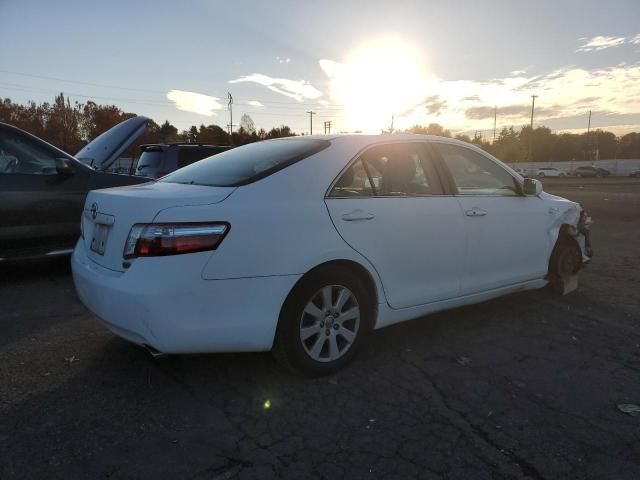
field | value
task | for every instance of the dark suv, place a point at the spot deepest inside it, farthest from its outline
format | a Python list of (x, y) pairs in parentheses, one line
[(591, 172), (158, 160)]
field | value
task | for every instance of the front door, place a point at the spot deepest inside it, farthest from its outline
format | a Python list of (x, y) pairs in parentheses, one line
[(39, 208), (388, 206), (505, 230)]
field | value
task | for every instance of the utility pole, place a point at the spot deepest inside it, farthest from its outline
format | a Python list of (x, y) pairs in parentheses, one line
[(311, 114), (588, 136), (533, 106), (230, 107), (495, 118), (327, 127), (391, 129)]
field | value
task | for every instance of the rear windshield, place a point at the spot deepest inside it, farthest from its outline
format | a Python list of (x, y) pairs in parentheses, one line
[(246, 164), (150, 159), (189, 155)]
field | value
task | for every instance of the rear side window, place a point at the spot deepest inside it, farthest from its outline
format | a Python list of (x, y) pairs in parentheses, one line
[(475, 174), (248, 163), (398, 169)]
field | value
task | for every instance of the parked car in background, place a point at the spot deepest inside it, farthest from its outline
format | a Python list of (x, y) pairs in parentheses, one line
[(635, 173), (293, 244), (43, 189), (521, 171), (591, 172), (157, 160), (550, 172)]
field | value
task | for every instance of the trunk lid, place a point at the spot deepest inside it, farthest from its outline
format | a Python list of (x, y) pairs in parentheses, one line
[(105, 149), (110, 213)]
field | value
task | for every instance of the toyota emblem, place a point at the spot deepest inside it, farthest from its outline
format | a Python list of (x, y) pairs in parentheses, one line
[(94, 210)]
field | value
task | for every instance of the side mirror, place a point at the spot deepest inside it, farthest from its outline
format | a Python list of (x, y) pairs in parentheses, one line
[(63, 167), (532, 186)]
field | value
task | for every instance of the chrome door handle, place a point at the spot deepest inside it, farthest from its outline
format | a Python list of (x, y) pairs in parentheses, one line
[(357, 215), (475, 212)]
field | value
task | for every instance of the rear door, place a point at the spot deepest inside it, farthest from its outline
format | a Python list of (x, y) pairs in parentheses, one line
[(506, 235), (390, 207)]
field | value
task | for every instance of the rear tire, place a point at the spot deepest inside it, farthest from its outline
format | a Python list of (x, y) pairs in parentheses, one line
[(324, 321)]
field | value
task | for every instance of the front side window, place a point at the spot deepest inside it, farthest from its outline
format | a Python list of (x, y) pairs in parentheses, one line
[(475, 174), (398, 169), (19, 155)]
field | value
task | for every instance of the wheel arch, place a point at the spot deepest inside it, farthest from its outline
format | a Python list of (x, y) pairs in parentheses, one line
[(564, 237), (369, 279)]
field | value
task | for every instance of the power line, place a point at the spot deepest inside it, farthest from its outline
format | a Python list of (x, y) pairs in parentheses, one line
[(150, 103), (44, 77), (162, 92)]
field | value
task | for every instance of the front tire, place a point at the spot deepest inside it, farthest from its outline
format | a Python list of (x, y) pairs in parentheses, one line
[(323, 322)]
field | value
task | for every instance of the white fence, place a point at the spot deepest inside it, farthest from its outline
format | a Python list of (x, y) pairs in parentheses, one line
[(616, 167)]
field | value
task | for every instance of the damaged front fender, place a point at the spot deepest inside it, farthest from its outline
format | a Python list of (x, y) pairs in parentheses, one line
[(573, 221)]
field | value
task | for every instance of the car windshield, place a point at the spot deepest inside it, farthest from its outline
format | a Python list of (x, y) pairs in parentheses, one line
[(246, 164)]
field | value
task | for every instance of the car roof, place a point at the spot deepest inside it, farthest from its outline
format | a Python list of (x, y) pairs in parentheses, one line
[(362, 139), (181, 144)]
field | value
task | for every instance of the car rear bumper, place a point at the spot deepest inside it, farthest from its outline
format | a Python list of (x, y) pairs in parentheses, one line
[(169, 307)]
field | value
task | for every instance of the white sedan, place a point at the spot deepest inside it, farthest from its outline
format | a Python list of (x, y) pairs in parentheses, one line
[(303, 245), (550, 172)]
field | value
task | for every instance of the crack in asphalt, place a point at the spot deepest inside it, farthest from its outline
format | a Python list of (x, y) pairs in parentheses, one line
[(525, 467)]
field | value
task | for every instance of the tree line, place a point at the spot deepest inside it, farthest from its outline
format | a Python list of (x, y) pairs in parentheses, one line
[(513, 146), (71, 126)]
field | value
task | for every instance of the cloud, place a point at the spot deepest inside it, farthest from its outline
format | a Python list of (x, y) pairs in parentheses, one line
[(194, 102), (563, 94), (374, 86), (431, 105), (484, 112), (602, 42), (297, 89), (255, 103)]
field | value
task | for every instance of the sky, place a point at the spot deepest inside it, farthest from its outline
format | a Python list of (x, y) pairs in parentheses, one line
[(357, 64)]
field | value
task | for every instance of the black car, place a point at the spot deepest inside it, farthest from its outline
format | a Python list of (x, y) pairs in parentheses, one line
[(43, 189), (158, 160), (591, 172)]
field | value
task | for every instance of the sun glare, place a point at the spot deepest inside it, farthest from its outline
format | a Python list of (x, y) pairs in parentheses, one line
[(380, 78)]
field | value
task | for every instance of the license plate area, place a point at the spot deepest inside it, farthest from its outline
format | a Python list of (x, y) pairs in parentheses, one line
[(99, 239)]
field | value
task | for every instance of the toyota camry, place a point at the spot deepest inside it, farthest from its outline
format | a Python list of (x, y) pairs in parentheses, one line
[(304, 245)]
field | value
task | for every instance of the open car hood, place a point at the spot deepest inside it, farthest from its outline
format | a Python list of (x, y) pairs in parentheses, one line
[(105, 149)]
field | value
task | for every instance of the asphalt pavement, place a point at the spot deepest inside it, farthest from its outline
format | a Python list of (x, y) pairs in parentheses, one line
[(527, 386)]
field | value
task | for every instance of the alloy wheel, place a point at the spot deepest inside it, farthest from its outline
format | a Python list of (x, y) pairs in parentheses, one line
[(329, 323)]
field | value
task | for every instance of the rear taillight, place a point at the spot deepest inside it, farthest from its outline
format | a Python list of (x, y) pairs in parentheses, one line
[(159, 239)]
